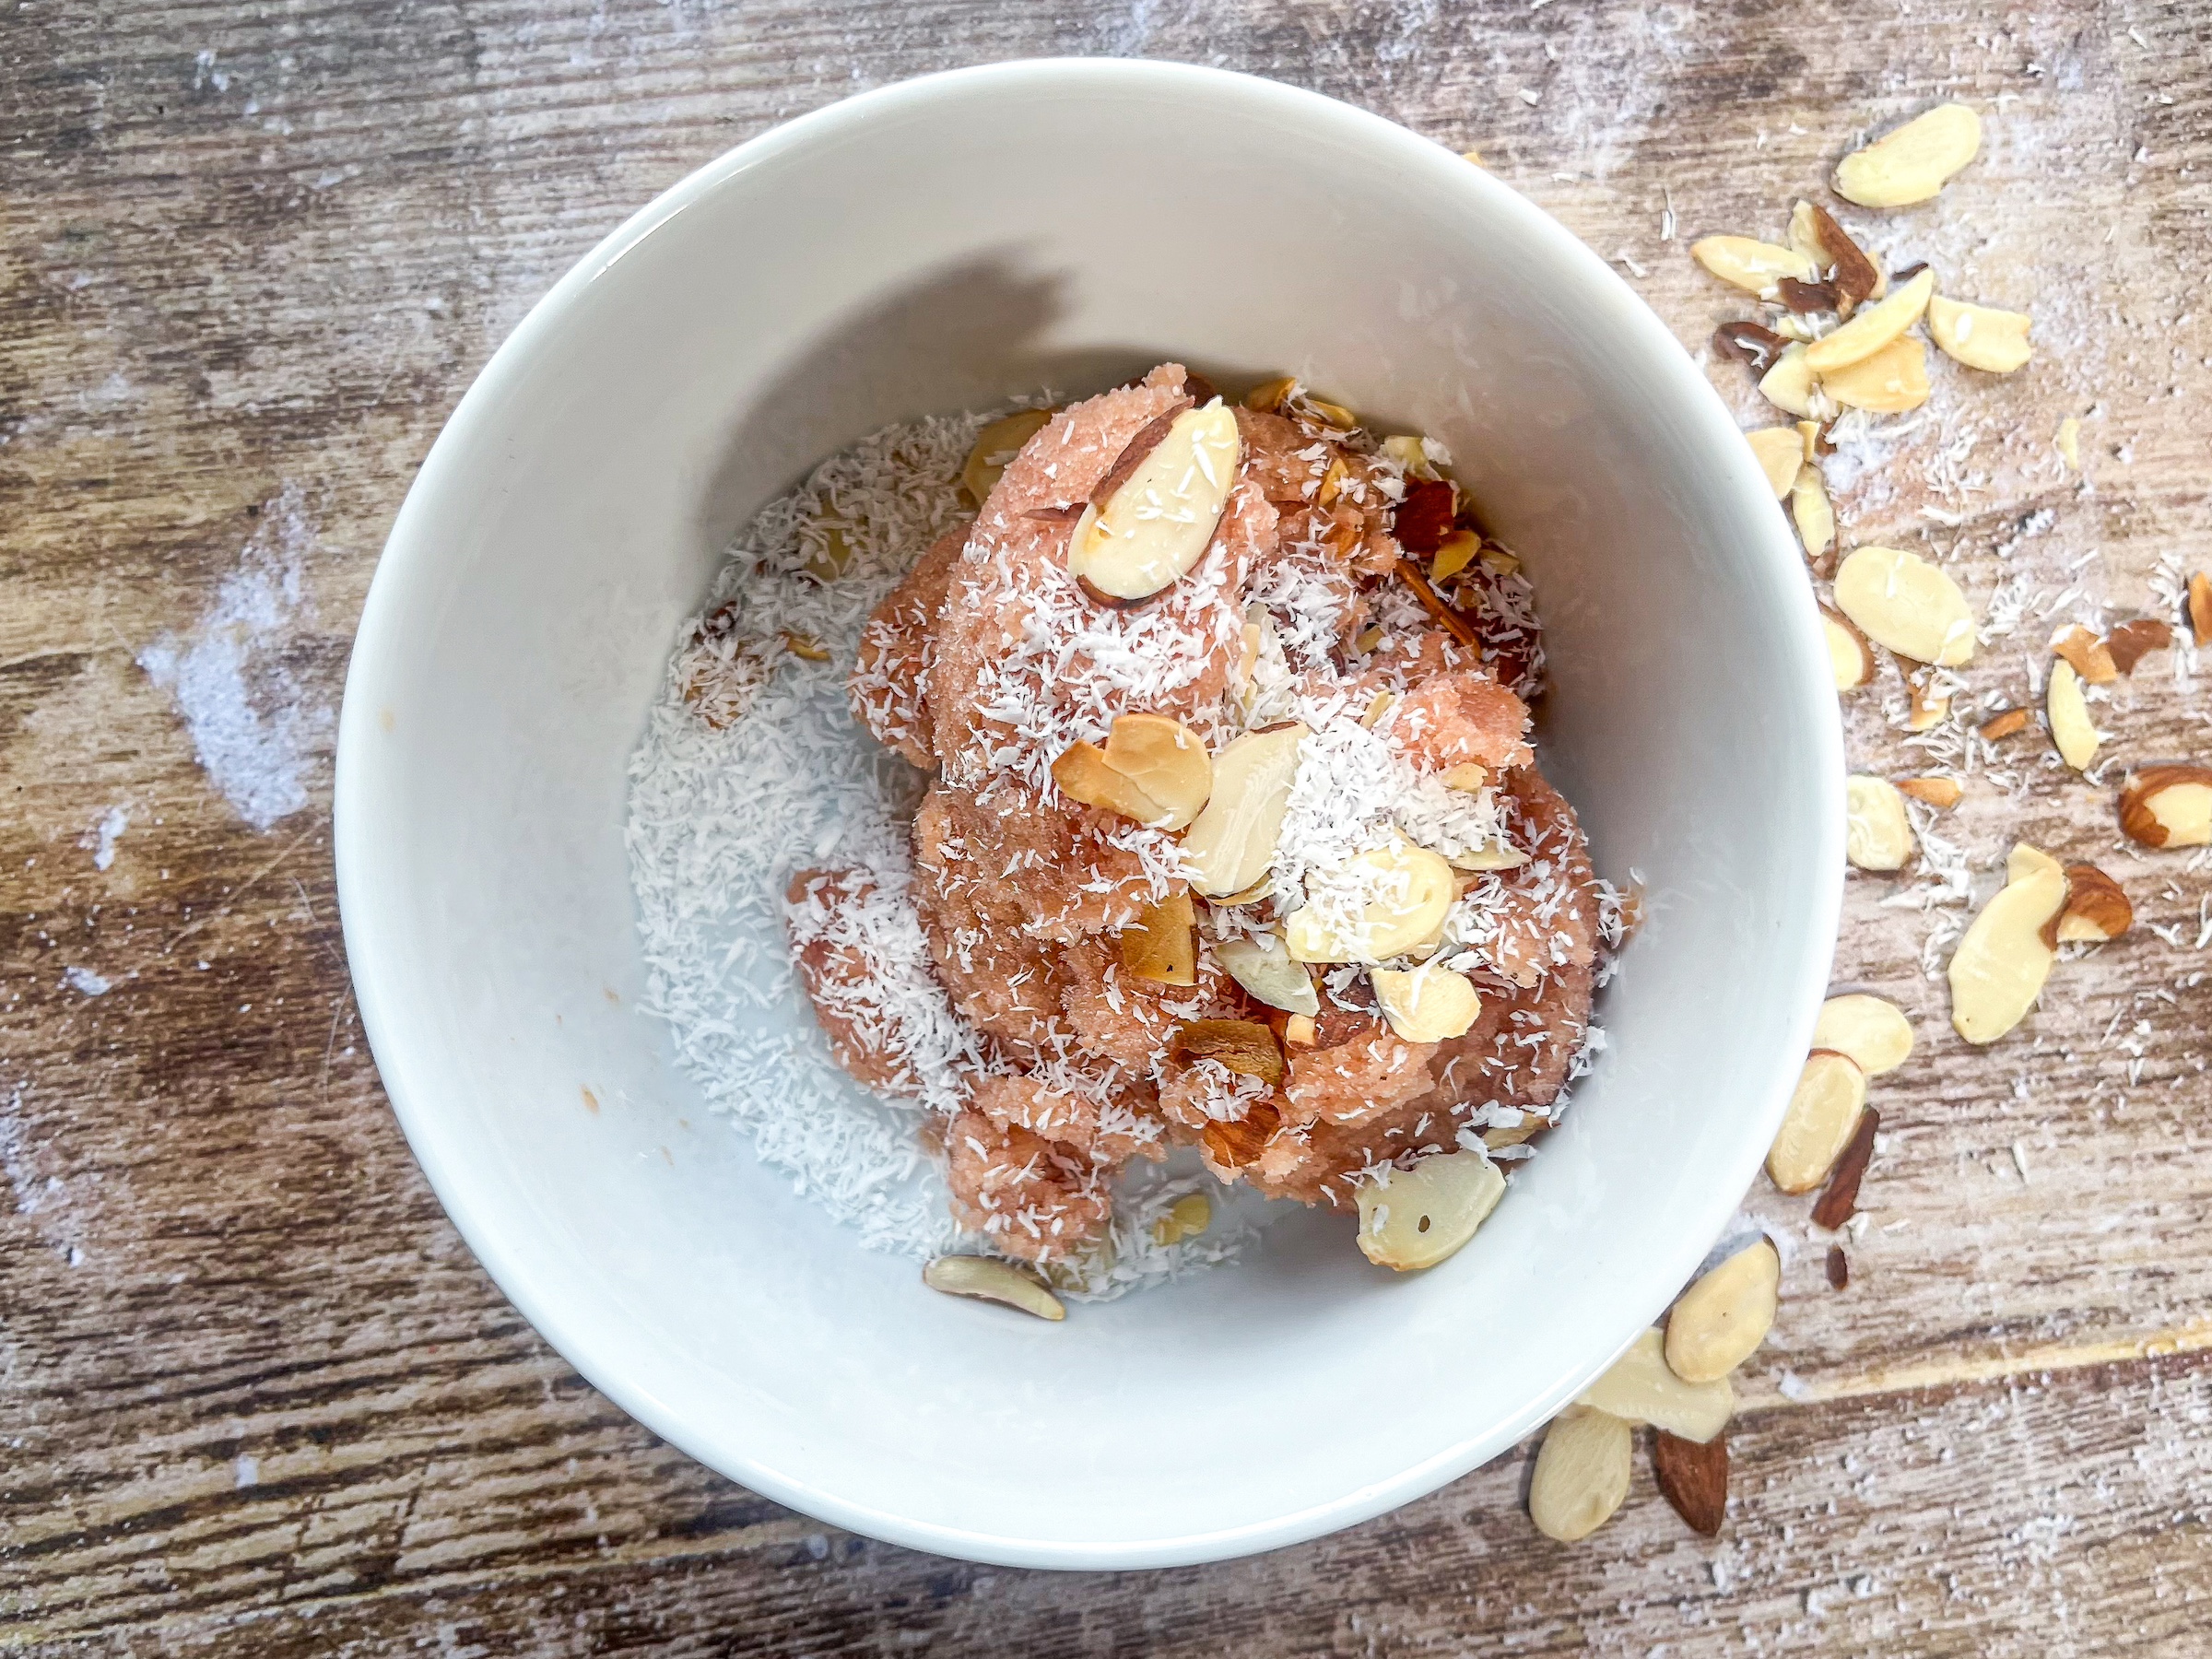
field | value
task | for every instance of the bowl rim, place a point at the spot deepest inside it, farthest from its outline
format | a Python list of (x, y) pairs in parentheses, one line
[(411, 544)]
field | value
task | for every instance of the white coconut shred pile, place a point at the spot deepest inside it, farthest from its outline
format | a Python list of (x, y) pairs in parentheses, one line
[(752, 767)]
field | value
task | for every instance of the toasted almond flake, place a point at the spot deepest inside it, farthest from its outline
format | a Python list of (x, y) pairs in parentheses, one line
[(1166, 760), (1244, 1046), (1979, 335), (1780, 452), (2091, 657), (1894, 381), (2200, 608), (1901, 601), (1157, 521), (1187, 1217), (1719, 1322), (1453, 554), (1999, 968), (1789, 385), (2071, 727), (1824, 1110), (1929, 710), (1299, 1032), (803, 646), (1429, 1004), (2132, 641), (1815, 520), (2005, 722), (2097, 908), (1915, 161), (1878, 835), (1428, 1212), (1083, 773), (1161, 945), (1876, 326), (988, 1278), (1232, 842), (1265, 970), (1693, 1479), (1413, 892), (994, 446), (1943, 793), (1639, 1387), (1850, 658), (2069, 442), (1754, 265), (2169, 807), (1581, 1474), (1872, 1031), (1269, 396)]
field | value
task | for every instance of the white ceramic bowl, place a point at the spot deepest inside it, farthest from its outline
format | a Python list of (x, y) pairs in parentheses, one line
[(934, 246)]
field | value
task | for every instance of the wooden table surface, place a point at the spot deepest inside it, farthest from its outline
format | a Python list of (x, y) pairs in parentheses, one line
[(255, 1395)]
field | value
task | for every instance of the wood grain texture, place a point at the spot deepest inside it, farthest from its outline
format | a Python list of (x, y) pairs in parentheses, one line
[(254, 1394)]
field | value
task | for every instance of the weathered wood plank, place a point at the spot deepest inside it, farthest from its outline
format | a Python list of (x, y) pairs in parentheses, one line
[(255, 1391)]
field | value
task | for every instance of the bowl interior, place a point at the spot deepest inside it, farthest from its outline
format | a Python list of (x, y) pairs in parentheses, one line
[(938, 246)]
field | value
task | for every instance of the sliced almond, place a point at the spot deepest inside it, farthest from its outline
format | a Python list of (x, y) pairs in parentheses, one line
[(1384, 903), (1232, 842), (1840, 1201), (1429, 1004), (2000, 966), (1244, 1046), (1901, 601), (2071, 728), (1943, 793), (2200, 608), (1693, 1479), (1155, 527), (1642, 1388), (1719, 1322), (1411, 454), (2069, 442), (989, 1279), (1915, 161), (1878, 835), (1161, 946), (1084, 774), (1780, 452), (1979, 335), (1872, 1031), (1269, 396), (1468, 777), (1876, 326), (1422, 1215), (995, 446), (1815, 520), (1930, 708), (2169, 807), (2132, 641), (1166, 760), (1850, 658), (1804, 235), (1265, 970), (2097, 909), (805, 646), (1894, 381), (1754, 265), (1187, 1217), (2091, 657), (1824, 1110), (1789, 384), (1581, 1475), (2005, 722)]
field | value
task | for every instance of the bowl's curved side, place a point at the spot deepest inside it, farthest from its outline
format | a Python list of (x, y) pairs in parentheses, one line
[(569, 515)]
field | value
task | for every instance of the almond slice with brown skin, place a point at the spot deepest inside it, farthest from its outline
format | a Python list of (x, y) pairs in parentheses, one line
[(1873, 1031), (1719, 1322), (1893, 381), (1753, 265), (2071, 728), (1421, 1215), (1158, 523), (1850, 658), (1780, 452), (1857, 278), (1981, 336), (1999, 968), (1231, 843), (988, 1278), (2097, 909), (1840, 1201), (1581, 1475), (2132, 641), (2091, 657), (1640, 1387), (1693, 1479), (2169, 807), (1161, 946), (1912, 163), (1824, 1110), (1901, 601), (1876, 326), (1943, 793), (1878, 835)]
